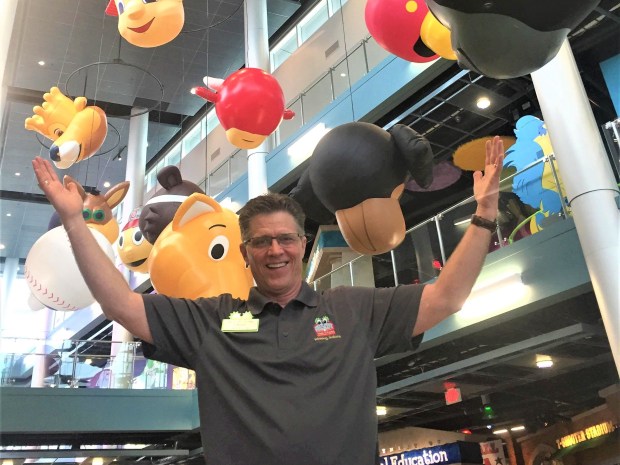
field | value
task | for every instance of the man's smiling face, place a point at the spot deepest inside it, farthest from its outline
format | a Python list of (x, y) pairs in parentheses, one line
[(277, 269)]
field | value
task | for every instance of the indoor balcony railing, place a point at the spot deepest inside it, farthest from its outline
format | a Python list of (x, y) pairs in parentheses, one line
[(420, 258)]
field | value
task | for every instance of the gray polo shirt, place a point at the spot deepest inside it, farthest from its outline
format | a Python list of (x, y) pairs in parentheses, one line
[(301, 390)]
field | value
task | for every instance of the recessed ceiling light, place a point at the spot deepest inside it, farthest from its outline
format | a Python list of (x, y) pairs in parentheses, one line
[(343, 74), (41, 63), (106, 184), (381, 410), (500, 431), (517, 428), (2, 247), (544, 361), (8, 214), (18, 174), (483, 102)]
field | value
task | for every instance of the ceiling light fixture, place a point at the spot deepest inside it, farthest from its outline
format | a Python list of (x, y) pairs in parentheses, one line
[(483, 102), (544, 361), (500, 431), (8, 214), (381, 410), (517, 428), (343, 74), (41, 63), (106, 184), (2, 247), (18, 174)]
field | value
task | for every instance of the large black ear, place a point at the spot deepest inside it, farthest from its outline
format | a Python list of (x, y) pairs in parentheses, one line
[(415, 151), (169, 177), (305, 196)]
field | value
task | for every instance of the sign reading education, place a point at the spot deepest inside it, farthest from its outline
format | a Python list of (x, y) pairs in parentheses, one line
[(446, 454)]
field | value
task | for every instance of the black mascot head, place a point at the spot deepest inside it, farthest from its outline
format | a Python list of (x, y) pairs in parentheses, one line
[(508, 38), (357, 171)]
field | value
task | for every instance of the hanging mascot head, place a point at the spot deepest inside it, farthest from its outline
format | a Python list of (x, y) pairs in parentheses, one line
[(198, 254), (408, 29), (77, 130), (506, 38), (249, 104), (133, 250), (358, 172), (148, 23), (160, 209), (97, 210)]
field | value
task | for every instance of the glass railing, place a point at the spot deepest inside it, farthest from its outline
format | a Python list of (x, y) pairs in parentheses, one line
[(418, 259), (427, 246), (86, 364), (334, 82)]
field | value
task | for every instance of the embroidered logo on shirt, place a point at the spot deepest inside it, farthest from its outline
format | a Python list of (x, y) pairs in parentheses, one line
[(324, 328)]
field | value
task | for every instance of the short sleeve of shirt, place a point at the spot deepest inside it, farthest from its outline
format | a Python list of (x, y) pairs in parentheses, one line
[(178, 327), (395, 311), (388, 314)]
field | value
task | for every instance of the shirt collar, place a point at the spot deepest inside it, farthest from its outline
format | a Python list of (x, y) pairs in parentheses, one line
[(257, 301)]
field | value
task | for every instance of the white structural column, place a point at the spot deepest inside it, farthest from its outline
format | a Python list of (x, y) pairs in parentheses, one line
[(257, 56), (7, 20), (40, 366), (9, 274), (122, 347), (590, 185)]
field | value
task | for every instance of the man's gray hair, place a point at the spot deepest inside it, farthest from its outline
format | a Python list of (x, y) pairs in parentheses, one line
[(266, 204)]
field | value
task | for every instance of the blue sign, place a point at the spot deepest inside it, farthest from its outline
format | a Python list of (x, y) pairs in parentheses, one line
[(446, 454)]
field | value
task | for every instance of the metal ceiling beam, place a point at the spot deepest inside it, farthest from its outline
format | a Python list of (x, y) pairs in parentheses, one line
[(23, 197), (68, 453), (493, 357)]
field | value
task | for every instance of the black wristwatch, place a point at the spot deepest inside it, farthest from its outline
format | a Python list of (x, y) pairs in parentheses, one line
[(484, 223)]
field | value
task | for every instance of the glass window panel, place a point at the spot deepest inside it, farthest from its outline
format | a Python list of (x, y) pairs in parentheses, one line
[(317, 97), (374, 53), (218, 180), (290, 126), (238, 165), (418, 258), (212, 121), (151, 180), (335, 5), (173, 157), (283, 49), (349, 71), (313, 21), (191, 139), (454, 223)]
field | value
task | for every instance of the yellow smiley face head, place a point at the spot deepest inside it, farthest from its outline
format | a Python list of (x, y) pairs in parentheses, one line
[(148, 23)]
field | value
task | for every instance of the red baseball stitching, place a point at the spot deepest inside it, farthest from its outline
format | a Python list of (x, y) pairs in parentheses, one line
[(31, 279)]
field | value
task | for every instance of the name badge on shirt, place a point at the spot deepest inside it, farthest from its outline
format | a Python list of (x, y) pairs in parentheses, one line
[(240, 323)]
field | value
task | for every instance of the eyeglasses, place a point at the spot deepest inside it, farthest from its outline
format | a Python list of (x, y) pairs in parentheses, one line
[(284, 240)]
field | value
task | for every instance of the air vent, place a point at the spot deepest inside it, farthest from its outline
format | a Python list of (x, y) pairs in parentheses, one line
[(332, 48), (215, 154)]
